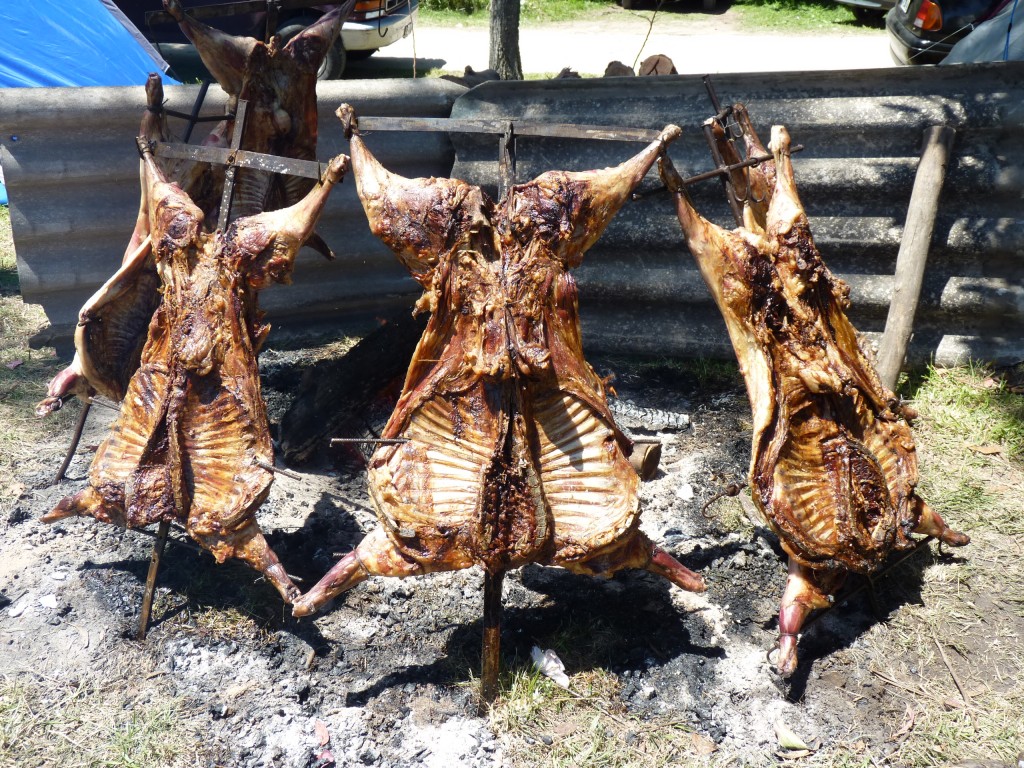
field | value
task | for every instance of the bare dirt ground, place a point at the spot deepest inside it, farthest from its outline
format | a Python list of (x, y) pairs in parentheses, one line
[(923, 669)]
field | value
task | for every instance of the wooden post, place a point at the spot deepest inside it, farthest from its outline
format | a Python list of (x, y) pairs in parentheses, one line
[(506, 161), (913, 254), (491, 656), (154, 566), (75, 440)]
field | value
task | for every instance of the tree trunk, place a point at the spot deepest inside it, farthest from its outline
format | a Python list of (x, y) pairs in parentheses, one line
[(504, 57)]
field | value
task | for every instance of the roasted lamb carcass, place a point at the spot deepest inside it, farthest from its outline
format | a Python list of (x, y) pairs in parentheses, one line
[(279, 83), (511, 455), (192, 443), (834, 467), (280, 87)]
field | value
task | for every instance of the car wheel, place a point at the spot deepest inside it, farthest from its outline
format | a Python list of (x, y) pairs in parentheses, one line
[(336, 59)]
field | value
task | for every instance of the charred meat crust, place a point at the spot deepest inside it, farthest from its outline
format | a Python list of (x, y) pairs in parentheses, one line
[(512, 454), (192, 441), (833, 467)]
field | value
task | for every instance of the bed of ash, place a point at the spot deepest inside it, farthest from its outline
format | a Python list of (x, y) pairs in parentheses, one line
[(385, 675)]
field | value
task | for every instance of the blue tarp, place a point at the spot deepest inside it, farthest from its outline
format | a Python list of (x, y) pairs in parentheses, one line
[(62, 42), (71, 42)]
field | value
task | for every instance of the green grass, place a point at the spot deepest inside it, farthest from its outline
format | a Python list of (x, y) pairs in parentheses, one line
[(475, 13), (972, 407), (970, 447), (780, 15), (585, 725), (794, 15)]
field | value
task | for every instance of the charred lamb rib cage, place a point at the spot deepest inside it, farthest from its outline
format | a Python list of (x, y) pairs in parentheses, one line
[(512, 455), (192, 443), (833, 467)]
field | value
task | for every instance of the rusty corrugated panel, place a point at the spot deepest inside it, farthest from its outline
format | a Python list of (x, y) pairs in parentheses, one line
[(640, 290), (72, 173)]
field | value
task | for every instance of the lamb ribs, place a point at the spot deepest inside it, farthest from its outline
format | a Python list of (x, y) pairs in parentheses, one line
[(512, 455), (833, 467)]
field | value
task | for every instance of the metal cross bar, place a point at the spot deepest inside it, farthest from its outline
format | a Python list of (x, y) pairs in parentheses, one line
[(498, 127), (198, 118), (751, 161), (309, 169), (372, 440)]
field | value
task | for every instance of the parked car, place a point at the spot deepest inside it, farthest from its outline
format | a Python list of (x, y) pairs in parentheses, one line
[(373, 25), (924, 31)]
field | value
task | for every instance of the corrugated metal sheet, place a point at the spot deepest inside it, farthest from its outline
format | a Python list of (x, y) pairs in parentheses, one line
[(72, 173), (72, 176), (640, 289)]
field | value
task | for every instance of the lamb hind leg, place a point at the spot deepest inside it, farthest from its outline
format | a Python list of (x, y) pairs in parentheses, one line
[(806, 591), (636, 551), (88, 502), (249, 545), (375, 555), (930, 523)]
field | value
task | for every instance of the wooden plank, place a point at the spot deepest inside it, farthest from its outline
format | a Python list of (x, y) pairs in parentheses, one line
[(498, 127), (913, 253)]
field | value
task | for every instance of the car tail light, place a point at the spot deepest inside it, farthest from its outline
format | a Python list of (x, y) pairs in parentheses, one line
[(929, 16), (367, 9)]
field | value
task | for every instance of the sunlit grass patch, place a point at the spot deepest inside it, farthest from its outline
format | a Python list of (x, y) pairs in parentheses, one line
[(794, 15), (476, 13), (546, 725), (92, 724), (970, 443), (973, 408)]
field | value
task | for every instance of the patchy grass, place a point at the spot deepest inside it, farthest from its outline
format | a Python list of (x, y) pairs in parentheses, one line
[(24, 373), (92, 724), (735, 513), (794, 15), (971, 447), (780, 15), (954, 661), (202, 605), (546, 725), (970, 404), (475, 12)]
